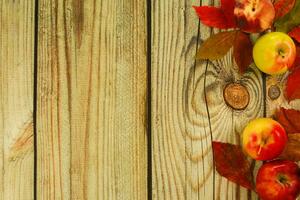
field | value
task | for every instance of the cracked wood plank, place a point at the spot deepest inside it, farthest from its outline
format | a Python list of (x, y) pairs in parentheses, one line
[(16, 99)]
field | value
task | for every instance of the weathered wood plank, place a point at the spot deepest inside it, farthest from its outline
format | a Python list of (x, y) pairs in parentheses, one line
[(16, 99), (188, 107), (92, 100), (227, 123)]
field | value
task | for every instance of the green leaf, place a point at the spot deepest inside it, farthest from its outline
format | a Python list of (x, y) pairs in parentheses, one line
[(290, 20), (216, 46)]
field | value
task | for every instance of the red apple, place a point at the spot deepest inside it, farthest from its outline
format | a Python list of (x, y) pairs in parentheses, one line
[(254, 16), (278, 180), (264, 139)]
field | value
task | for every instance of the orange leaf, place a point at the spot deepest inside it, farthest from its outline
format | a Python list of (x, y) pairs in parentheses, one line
[(295, 33), (242, 51), (292, 149), (289, 119), (292, 90), (216, 46), (282, 7), (232, 164)]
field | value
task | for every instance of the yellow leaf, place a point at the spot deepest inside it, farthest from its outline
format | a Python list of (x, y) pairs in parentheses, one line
[(216, 46)]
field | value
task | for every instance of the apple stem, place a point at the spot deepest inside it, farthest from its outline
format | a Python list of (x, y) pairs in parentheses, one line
[(259, 150), (254, 6), (284, 77), (281, 53)]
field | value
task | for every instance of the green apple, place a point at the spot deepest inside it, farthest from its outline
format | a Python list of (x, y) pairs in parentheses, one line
[(274, 53)]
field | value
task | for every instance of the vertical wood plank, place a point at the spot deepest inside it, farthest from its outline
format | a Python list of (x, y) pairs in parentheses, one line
[(16, 99), (188, 107), (92, 84)]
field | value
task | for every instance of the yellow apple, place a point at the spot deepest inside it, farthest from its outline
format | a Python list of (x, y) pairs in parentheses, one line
[(274, 53), (264, 139)]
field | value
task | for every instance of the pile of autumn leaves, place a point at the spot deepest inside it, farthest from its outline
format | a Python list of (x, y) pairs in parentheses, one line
[(230, 160)]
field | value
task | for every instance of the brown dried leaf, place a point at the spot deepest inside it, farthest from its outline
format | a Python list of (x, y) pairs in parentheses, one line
[(242, 51), (232, 164), (289, 119), (216, 46), (292, 89), (292, 149)]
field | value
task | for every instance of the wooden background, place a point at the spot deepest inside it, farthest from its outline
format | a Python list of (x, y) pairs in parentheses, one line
[(103, 99)]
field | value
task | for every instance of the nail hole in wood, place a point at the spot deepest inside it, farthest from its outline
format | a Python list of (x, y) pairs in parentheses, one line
[(274, 92)]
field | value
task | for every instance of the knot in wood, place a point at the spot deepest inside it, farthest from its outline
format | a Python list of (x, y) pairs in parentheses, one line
[(274, 92), (236, 96)]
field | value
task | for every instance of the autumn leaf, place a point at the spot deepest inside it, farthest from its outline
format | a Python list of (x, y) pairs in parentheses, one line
[(292, 149), (292, 90), (232, 164), (290, 20), (295, 33), (218, 17), (282, 7), (227, 7), (289, 119), (297, 60), (242, 51), (216, 46)]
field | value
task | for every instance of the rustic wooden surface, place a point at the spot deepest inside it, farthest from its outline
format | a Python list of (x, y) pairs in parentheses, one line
[(91, 108), (118, 116), (188, 107), (16, 99)]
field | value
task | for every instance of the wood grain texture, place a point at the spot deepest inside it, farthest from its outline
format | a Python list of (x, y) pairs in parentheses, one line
[(16, 99), (92, 141), (272, 105), (188, 109)]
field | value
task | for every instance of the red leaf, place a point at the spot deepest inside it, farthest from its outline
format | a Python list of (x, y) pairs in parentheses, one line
[(295, 33), (242, 51), (222, 18), (289, 119), (227, 7), (292, 90), (232, 164), (292, 149), (282, 7), (297, 60)]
